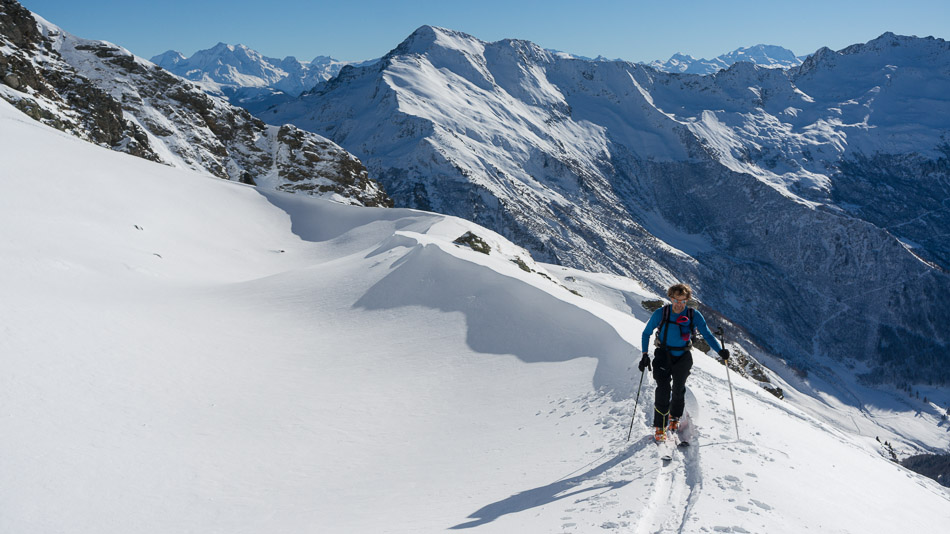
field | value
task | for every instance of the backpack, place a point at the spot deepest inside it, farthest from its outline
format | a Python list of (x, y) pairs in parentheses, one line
[(660, 340)]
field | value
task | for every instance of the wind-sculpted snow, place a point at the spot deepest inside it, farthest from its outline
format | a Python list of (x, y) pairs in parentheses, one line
[(503, 316), (764, 188)]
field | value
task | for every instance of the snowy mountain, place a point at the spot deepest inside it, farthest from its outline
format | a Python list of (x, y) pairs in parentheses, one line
[(227, 66), (806, 205), (769, 56), (186, 354), (248, 78), (104, 94)]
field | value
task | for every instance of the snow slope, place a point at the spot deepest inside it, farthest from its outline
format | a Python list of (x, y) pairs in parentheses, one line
[(184, 354)]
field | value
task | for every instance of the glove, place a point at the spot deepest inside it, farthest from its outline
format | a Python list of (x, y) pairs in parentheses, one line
[(724, 354), (644, 363)]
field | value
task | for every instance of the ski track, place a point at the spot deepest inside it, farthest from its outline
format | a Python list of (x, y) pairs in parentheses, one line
[(677, 486)]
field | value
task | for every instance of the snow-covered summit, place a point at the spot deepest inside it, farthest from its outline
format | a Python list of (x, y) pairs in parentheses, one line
[(168, 59)]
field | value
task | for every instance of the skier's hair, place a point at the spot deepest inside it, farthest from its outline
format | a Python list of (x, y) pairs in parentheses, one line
[(679, 289)]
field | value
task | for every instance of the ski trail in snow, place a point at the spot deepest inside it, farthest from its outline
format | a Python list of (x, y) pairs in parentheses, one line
[(677, 486), (691, 461)]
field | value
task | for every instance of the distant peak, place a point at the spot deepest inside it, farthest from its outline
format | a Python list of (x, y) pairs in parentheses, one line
[(426, 37), (681, 56), (425, 29), (168, 58)]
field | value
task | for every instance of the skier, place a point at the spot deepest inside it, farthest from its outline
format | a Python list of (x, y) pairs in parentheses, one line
[(672, 359)]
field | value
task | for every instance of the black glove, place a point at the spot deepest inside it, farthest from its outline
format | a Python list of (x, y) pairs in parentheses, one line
[(724, 354), (644, 363)]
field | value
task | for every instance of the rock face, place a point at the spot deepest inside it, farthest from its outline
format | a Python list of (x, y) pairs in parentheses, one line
[(47, 89), (808, 205), (104, 94)]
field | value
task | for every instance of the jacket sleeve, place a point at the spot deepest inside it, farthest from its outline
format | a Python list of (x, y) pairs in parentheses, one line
[(704, 330), (650, 327)]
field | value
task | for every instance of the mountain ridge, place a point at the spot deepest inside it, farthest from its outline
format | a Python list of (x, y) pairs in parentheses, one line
[(585, 163)]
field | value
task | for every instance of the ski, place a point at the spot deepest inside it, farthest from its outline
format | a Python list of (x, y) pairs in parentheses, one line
[(665, 449), (674, 439), (681, 432), (679, 442)]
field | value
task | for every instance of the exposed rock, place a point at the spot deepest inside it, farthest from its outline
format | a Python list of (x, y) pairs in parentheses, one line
[(102, 93)]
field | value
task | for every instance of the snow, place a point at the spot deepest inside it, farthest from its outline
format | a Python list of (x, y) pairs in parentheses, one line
[(183, 353)]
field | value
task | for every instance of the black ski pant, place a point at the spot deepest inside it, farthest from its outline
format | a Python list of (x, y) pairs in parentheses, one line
[(670, 373)]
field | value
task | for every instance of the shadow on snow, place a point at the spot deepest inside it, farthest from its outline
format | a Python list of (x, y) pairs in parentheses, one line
[(555, 491)]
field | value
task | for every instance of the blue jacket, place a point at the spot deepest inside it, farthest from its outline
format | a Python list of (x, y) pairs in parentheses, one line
[(675, 332)]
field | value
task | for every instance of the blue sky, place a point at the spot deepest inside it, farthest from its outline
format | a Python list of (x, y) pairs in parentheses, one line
[(634, 30)]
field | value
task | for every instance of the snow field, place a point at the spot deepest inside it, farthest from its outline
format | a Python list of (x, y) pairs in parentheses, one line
[(184, 354)]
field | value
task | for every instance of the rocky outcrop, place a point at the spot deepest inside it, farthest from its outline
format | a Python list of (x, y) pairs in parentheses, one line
[(104, 94), (48, 90)]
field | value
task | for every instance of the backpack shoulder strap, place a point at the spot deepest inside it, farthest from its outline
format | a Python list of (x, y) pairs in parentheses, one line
[(664, 326)]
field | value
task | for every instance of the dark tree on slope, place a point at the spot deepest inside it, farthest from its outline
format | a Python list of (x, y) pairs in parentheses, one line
[(935, 466)]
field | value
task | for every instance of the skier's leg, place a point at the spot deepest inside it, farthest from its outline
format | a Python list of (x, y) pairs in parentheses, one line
[(680, 371), (662, 374)]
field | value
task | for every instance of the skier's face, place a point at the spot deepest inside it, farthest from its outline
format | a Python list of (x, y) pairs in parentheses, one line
[(679, 302)]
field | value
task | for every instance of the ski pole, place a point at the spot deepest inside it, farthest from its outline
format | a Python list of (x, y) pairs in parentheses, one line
[(722, 338), (632, 419)]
